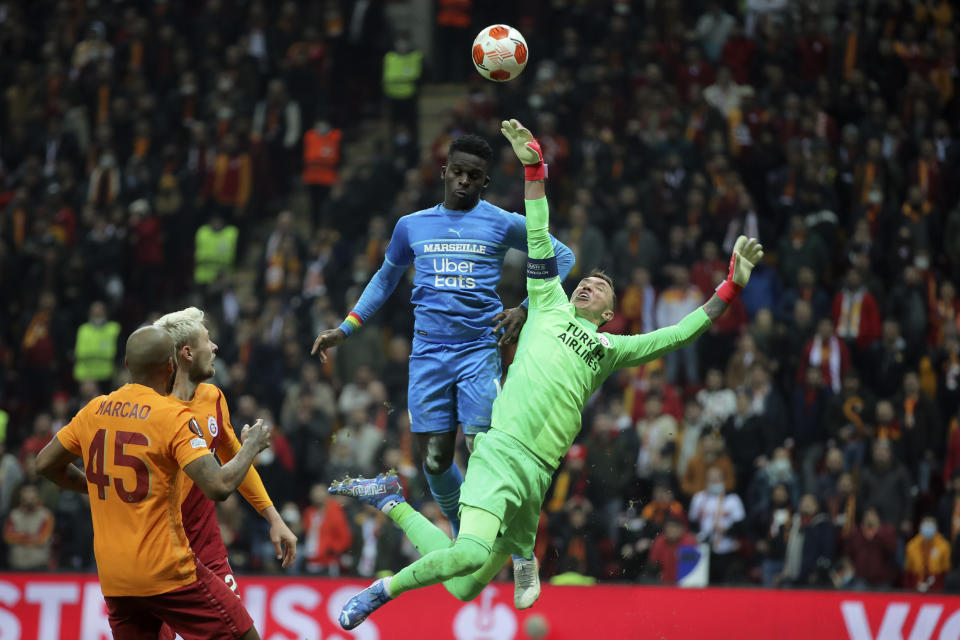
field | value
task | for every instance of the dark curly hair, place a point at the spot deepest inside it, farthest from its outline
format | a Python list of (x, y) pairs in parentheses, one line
[(474, 145)]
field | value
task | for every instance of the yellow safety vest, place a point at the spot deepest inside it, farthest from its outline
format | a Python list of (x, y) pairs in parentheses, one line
[(95, 352), (215, 252), (400, 74)]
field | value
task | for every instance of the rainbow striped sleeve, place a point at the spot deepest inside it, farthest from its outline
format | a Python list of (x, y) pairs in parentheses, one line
[(351, 323)]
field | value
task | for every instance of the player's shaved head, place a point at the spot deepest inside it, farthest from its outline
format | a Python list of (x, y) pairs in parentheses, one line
[(149, 352)]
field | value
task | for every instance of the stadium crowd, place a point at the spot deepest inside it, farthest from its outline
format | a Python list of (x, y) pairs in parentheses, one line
[(155, 155)]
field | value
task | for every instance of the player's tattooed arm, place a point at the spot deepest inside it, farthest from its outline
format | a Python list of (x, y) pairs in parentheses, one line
[(217, 482), (714, 307), (206, 474), (55, 462)]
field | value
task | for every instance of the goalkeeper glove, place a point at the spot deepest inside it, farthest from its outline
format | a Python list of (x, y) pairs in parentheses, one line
[(527, 149), (746, 254)]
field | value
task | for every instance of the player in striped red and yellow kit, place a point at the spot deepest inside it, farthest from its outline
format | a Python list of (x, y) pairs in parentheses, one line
[(195, 355), (134, 442)]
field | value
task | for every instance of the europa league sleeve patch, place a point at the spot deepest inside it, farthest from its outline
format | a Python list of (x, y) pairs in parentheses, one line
[(195, 428), (542, 269)]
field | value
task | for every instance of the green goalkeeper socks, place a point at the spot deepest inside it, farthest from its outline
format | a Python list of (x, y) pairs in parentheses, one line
[(424, 535), (464, 566), (467, 555)]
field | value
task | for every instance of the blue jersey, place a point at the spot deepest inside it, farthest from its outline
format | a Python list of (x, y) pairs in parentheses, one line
[(458, 258)]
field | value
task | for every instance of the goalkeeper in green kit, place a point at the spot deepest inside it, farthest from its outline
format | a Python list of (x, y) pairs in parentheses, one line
[(561, 359)]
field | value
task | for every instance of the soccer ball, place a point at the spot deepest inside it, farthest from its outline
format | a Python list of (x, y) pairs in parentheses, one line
[(499, 53)]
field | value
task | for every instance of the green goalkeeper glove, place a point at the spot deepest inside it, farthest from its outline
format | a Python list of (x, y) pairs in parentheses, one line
[(526, 147)]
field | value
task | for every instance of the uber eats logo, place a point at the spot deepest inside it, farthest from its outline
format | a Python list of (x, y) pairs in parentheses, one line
[(453, 274)]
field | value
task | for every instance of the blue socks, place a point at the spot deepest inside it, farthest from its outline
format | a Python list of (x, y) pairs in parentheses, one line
[(445, 488)]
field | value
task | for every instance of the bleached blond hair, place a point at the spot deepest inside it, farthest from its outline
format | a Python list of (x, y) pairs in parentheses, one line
[(184, 326)]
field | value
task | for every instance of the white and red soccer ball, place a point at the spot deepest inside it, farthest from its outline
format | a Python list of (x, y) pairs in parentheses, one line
[(500, 53)]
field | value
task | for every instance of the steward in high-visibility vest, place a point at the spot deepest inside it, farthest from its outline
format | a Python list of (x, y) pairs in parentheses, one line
[(401, 71), (95, 352), (216, 249), (321, 155)]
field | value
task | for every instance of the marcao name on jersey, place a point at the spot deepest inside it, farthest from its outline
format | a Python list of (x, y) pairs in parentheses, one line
[(456, 247), (582, 343), (123, 410)]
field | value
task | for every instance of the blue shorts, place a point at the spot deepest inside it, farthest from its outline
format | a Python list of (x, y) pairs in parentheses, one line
[(451, 384)]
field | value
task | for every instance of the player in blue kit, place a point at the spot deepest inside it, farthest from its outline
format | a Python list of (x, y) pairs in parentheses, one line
[(457, 249)]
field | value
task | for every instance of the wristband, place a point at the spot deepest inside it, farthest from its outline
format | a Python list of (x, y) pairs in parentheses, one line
[(351, 323), (533, 172), (728, 290)]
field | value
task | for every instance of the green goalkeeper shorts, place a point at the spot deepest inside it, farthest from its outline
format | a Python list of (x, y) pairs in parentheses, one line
[(507, 480)]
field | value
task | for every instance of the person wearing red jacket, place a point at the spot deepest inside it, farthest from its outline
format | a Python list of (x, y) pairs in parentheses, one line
[(666, 548), (813, 52), (326, 531), (738, 52), (827, 352), (856, 314), (872, 547)]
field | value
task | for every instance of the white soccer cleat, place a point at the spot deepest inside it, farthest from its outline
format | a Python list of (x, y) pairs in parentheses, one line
[(526, 582)]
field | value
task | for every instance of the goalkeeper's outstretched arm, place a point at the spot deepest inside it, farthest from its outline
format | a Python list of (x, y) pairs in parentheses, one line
[(714, 307), (638, 349), (543, 278)]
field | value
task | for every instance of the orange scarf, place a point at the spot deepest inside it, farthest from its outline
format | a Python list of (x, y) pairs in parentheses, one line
[(136, 54), (909, 407), (374, 251), (141, 145), (923, 177), (38, 329), (852, 409), (848, 324), (869, 175), (790, 188), (850, 513), (19, 227), (103, 102), (955, 519), (694, 125), (850, 54), (915, 214), (717, 534), (560, 489), (889, 431)]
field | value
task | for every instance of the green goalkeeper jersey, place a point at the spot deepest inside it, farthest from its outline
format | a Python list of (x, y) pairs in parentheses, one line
[(561, 358)]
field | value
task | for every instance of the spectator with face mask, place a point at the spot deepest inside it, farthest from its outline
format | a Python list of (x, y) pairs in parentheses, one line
[(772, 528), (810, 545), (710, 455), (927, 558), (718, 515)]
